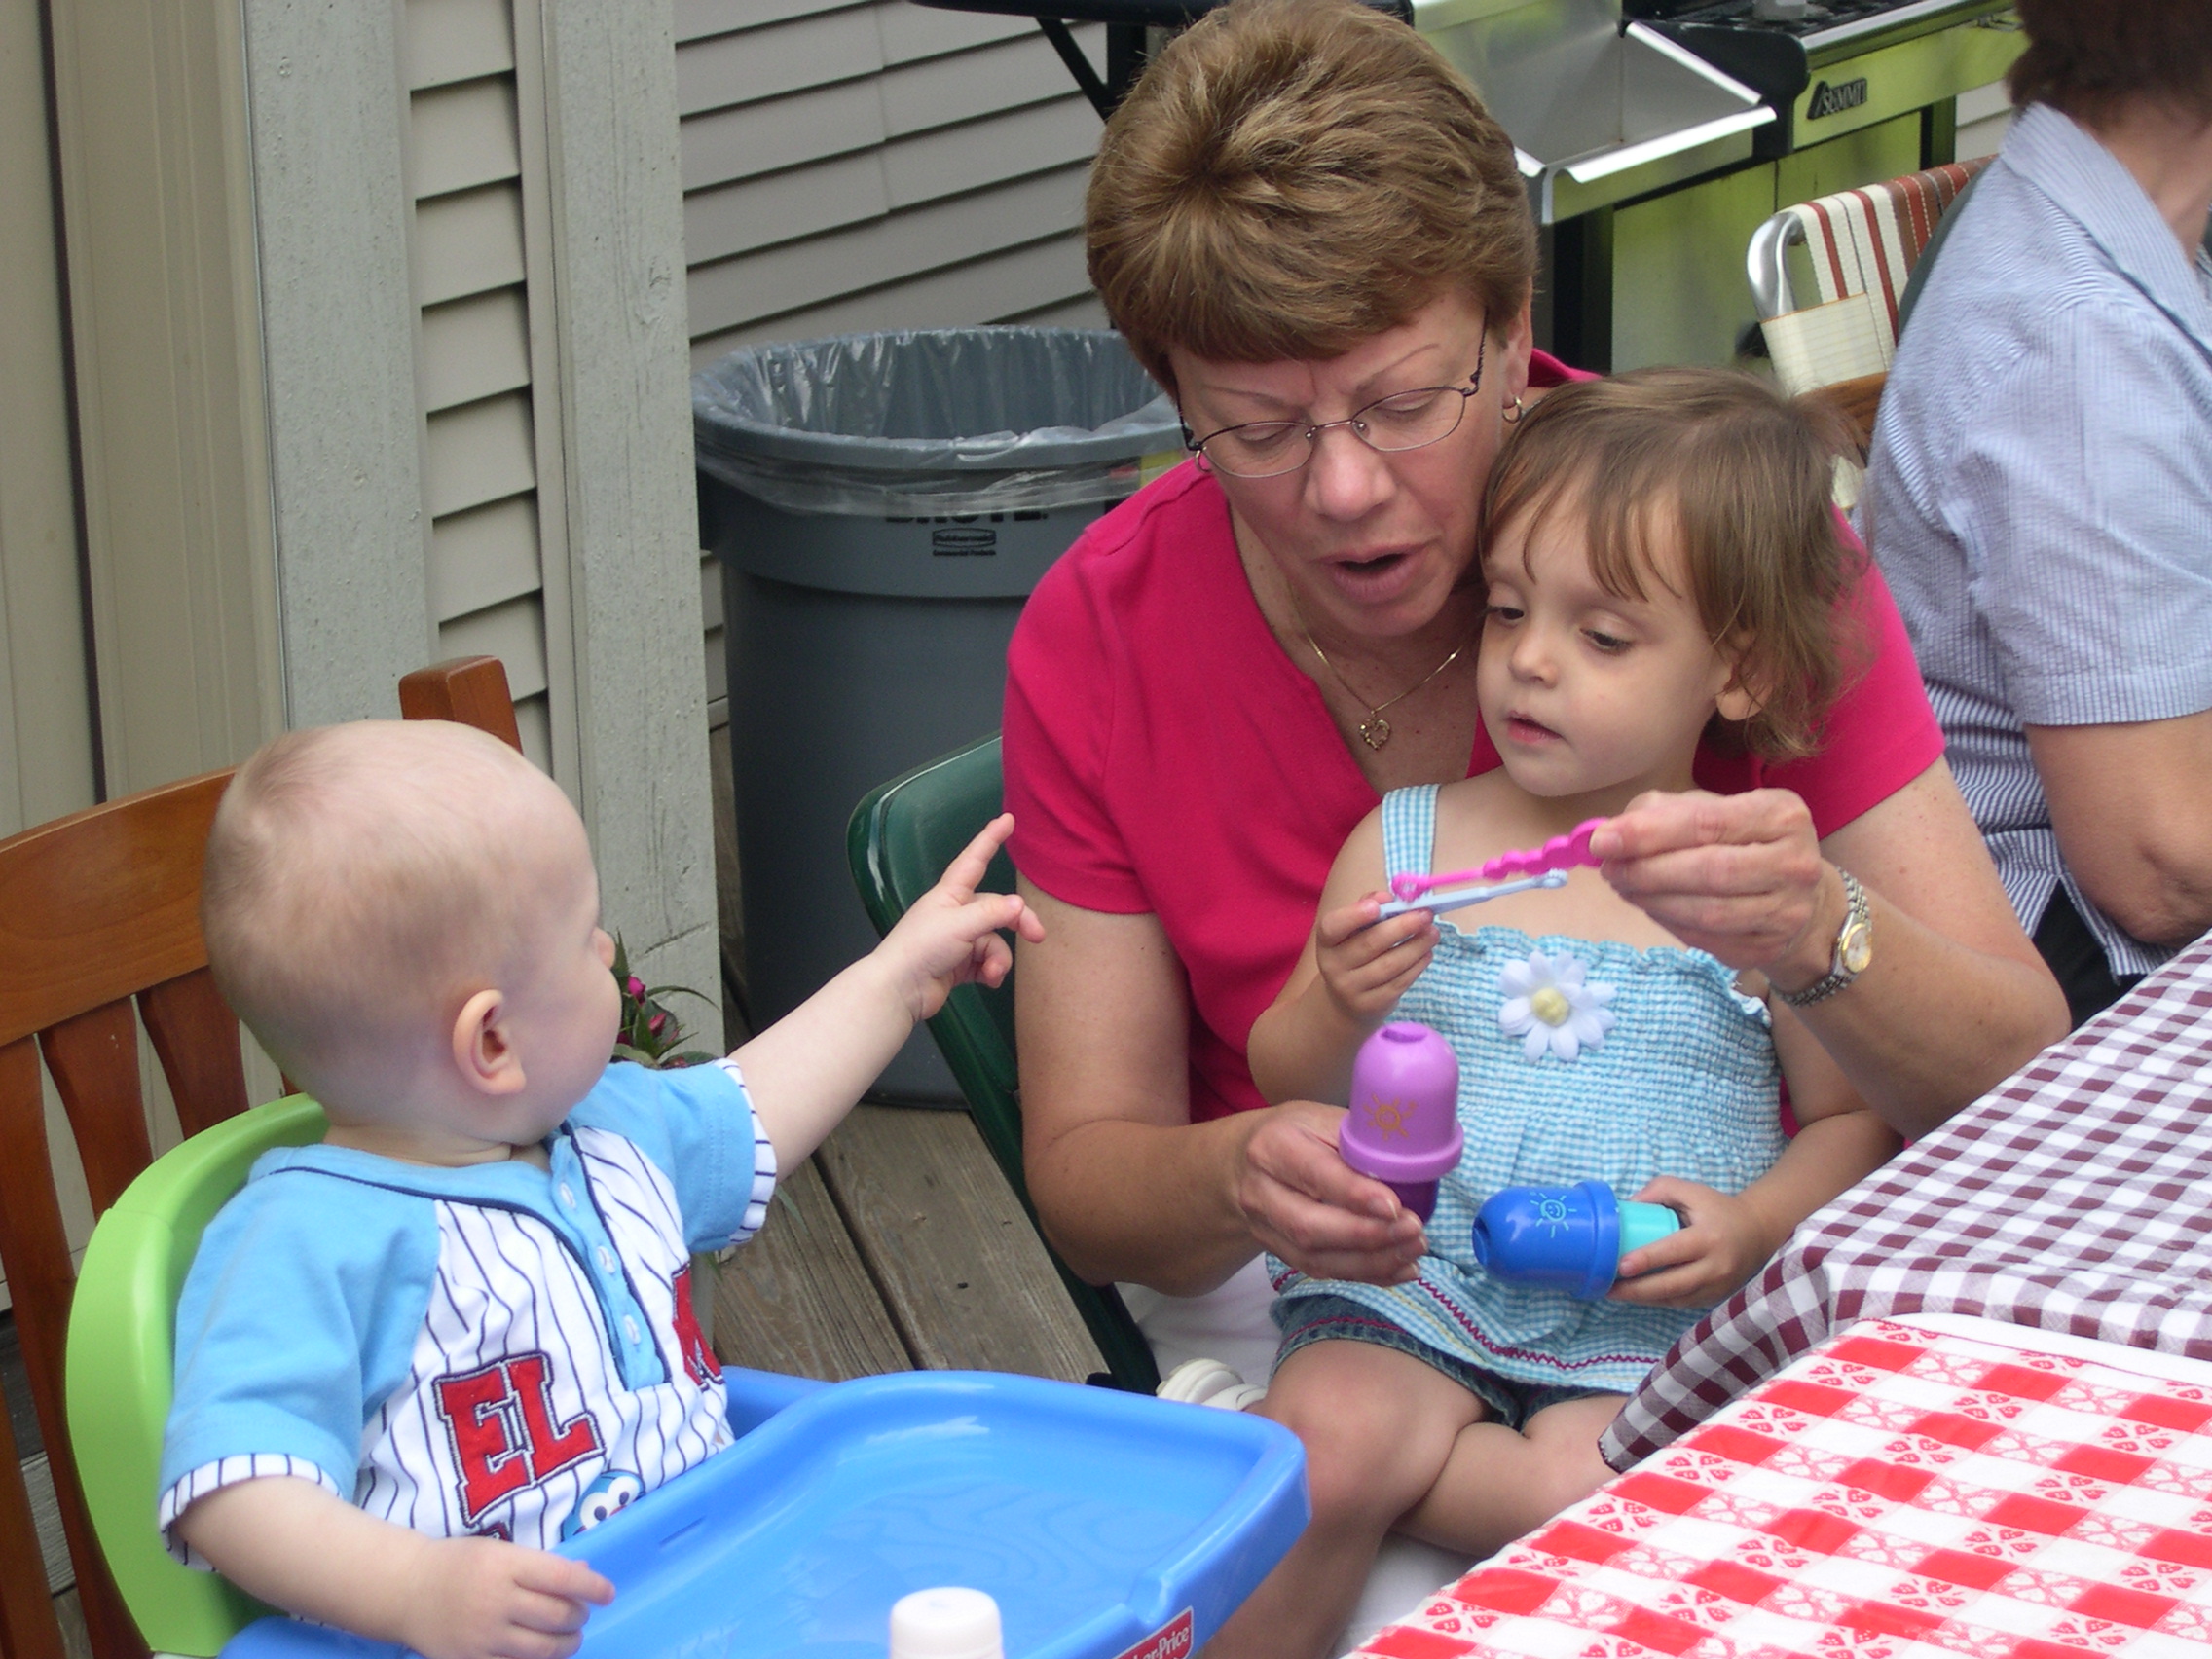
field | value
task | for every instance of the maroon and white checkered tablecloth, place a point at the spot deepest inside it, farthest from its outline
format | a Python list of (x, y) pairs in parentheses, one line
[(2075, 1196)]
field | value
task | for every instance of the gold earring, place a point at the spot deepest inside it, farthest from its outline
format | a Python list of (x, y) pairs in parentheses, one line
[(1512, 416)]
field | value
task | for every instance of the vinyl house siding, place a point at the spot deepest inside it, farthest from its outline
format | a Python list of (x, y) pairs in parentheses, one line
[(856, 168), (493, 527)]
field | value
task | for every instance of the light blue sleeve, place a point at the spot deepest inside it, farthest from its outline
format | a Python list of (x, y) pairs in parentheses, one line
[(696, 1124), (2085, 495), (297, 1321)]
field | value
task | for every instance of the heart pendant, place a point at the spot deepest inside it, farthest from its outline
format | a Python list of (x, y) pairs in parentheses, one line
[(1375, 731)]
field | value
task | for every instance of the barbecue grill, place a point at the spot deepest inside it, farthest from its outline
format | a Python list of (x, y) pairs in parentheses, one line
[(1655, 136)]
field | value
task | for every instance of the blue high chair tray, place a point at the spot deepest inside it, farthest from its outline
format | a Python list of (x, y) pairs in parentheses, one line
[(1104, 1524)]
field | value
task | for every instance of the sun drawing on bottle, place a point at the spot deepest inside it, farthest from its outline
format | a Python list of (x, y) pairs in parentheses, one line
[(1387, 1117)]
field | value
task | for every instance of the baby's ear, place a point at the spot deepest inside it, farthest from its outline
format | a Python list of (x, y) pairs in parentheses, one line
[(482, 1051)]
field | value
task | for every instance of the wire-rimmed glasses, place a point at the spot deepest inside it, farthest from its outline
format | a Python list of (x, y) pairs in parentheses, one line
[(1408, 420)]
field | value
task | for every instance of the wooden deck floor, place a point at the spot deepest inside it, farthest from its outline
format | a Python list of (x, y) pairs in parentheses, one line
[(898, 1246)]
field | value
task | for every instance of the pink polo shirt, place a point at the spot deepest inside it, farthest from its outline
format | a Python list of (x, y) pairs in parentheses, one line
[(1164, 756)]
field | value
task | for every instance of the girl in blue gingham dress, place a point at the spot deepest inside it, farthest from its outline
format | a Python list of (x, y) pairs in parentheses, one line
[(1684, 1082), (1662, 570)]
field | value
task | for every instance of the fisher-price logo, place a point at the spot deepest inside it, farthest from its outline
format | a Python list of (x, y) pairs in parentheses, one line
[(1172, 1640)]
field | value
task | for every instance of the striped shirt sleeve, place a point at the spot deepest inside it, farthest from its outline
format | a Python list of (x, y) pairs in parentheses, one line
[(2087, 511), (698, 1125), (300, 1311), (763, 1163), (193, 1485)]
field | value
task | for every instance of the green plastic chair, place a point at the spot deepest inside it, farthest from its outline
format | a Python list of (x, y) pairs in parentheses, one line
[(901, 837), (118, 1373)]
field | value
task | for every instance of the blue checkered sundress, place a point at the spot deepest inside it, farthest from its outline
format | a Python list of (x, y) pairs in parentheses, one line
[(1685, 1084)]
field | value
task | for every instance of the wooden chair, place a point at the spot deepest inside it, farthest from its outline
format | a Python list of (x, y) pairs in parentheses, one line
[(1862, 247), (97, 909)]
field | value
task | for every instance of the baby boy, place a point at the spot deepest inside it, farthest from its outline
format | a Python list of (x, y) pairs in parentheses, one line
[(459, 1328)]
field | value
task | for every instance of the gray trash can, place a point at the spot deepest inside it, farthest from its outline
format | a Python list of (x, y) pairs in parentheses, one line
[(882, 505)]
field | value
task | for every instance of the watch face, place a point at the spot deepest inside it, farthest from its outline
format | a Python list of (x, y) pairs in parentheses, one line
[(1857, 949)]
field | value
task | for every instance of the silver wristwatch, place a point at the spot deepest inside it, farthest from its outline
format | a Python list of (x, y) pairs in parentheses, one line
[(1854, 948)]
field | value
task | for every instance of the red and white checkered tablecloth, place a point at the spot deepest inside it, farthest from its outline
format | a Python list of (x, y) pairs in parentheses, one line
[(1898, 1493), (2077, 1196)]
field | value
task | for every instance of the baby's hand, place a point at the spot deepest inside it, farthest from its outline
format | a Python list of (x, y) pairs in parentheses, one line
[(1722, 1243), (1367, 964), (482, 1598), (950, 936)]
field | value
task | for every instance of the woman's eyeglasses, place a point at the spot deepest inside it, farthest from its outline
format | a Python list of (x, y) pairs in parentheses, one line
[(1404, 421)]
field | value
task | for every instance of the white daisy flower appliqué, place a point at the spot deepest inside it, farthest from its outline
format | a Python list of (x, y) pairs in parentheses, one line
[(1548, 1006)]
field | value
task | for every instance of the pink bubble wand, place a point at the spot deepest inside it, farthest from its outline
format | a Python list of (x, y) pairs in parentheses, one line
[(1515, 871)]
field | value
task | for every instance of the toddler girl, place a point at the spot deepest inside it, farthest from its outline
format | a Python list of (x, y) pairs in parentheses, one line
[(1660, 556)]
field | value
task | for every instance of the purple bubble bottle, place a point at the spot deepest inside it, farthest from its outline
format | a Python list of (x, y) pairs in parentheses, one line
[(1403, 1128)]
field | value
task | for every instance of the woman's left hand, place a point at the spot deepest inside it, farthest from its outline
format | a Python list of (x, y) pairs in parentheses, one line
[(1741, 876), (1722, 1243)]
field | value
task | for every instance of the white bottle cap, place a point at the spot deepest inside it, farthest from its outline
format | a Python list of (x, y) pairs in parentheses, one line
[(946, 1623)]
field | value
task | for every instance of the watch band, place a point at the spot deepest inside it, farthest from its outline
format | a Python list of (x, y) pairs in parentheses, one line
[(1858, 919)]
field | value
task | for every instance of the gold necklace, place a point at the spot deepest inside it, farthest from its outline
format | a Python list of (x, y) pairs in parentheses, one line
[(1375, 730)]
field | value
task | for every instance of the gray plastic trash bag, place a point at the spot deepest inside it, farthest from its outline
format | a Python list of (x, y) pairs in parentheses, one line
[(932, 421)]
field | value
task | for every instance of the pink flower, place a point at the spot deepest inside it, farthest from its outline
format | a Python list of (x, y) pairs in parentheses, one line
[(657, 1024), (635, 988)]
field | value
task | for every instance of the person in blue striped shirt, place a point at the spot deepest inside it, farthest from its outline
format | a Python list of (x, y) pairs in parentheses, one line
[(2039, 490)]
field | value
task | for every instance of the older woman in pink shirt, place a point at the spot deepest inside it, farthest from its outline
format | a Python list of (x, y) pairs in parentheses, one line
[(1303, 219)]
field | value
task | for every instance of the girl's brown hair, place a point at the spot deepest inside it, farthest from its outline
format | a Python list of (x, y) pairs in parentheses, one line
[(1742, 476), (1292, 177)]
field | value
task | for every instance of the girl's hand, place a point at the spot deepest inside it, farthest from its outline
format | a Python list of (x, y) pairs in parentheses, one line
[(1724, 1240), (950, 936), (1739, 876), (1366, 964)]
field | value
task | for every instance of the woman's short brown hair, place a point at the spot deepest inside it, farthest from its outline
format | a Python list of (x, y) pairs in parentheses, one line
[(2087, 58), (1743, 477), (1292, 177)]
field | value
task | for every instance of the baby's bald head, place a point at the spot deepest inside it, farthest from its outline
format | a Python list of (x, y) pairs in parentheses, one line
[(360, 877)]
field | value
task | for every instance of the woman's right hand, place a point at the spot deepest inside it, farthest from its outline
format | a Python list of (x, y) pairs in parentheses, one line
[(1127, 1186), (1367, 963), (1739, 877), (1304, 1203)]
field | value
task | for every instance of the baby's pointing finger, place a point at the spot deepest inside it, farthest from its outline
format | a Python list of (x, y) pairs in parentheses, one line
[(966, 871)]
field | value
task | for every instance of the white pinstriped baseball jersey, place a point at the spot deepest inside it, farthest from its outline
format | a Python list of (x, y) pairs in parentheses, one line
[(495, 1351)]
